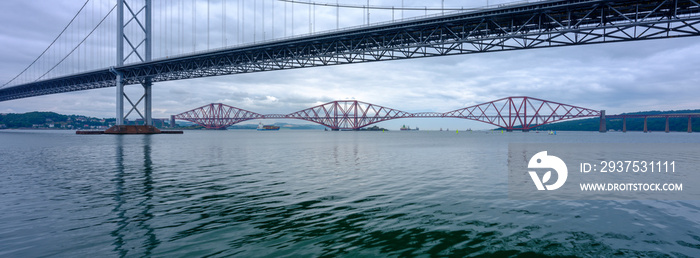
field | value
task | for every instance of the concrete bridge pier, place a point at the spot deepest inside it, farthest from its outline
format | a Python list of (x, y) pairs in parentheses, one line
[(690, 125), (645, 125), (148, 102), (667, 124), (602, 128), (120, 99), (624, 124)]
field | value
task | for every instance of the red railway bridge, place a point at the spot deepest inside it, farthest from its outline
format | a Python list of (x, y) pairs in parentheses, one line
[(510, 113)]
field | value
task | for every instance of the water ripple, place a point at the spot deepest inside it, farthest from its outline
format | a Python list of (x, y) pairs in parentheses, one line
[(242, 193)]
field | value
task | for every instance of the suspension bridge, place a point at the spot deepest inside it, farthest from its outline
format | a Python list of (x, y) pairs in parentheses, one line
[(112, 43)]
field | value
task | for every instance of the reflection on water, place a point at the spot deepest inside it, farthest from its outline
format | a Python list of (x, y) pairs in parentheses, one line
[(241, 193), (133, 232)]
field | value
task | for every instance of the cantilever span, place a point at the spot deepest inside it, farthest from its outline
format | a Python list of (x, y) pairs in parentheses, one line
[(511, 113), (521, 113), (217, 116), (348, 114)]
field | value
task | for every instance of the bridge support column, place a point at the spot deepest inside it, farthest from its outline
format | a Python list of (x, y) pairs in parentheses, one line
[(624, 124), (690, 125), (645, 125), (667, 124), (120, 62), (148, 120), (139, 31), (602, 127), (148, 40), (120, 100), (172, 121)]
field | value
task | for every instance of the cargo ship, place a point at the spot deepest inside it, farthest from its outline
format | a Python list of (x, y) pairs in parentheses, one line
[(404, 128), (262, 127)]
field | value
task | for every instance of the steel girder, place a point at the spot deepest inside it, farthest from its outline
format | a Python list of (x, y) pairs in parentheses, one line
[(511, 113), (511, 27), (77, 82)]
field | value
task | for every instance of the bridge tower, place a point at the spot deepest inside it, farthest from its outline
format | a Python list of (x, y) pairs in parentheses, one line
[(134, 16)]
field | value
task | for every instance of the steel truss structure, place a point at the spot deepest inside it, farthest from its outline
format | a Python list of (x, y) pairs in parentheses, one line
[(510, 27), (217, 116), (348, 114), (138, 19), (511, 113), (521, 113)]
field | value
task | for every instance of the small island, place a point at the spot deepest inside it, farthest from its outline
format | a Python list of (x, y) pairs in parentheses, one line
[(374, 128)]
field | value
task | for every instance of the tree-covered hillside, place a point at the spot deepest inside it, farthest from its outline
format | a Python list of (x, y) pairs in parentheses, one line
[(51, 120)]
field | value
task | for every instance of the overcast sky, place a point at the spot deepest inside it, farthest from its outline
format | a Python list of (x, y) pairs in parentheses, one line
[(617, 77)]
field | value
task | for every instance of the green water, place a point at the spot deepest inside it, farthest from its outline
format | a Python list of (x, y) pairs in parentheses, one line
[(310, 193)]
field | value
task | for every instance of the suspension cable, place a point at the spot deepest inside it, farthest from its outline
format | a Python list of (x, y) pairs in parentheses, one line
[(47, 48), (81, 42)]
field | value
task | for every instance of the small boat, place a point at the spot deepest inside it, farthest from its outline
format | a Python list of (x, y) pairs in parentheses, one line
[(262, 127)]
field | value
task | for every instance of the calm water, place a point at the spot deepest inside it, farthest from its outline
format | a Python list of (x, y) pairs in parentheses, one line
[(310, 193)]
